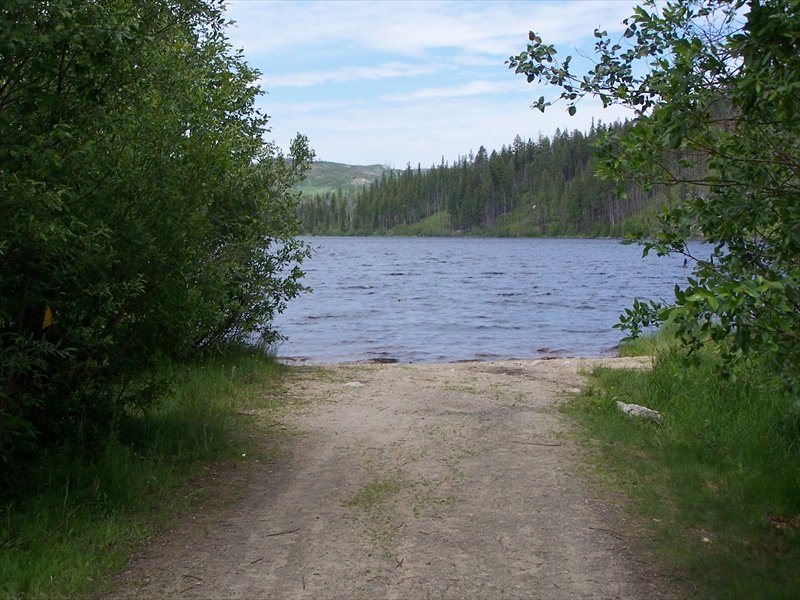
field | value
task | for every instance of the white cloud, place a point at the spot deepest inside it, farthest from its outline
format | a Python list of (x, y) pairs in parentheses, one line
[(424, 131), (408, 82), (465, 59), (348, 73), (414, 28), (472, 88), (301, 108)]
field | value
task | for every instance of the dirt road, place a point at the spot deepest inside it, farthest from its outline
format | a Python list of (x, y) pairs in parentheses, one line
[(410, 482)]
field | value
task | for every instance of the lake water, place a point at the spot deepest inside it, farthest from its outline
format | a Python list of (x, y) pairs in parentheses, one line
[(449, 299)]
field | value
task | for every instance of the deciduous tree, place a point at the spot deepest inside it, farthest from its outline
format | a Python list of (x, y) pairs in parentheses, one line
[(715, 86), (142, 213)]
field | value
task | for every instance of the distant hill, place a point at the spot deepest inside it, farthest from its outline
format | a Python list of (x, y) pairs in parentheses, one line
[(545, 187), (326, 177)]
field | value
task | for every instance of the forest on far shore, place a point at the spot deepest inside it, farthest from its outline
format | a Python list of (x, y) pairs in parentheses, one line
[(546, 187)]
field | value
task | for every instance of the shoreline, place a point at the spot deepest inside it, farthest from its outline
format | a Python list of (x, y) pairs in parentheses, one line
[(311, 362)]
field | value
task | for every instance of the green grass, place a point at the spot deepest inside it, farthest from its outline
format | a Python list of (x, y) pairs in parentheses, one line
[(436, 225), (325, 177), (726, 455), (375, 494), (74, 519), (650, 344), (372, 500)]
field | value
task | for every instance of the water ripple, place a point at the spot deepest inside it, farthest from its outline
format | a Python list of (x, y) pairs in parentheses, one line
[(444, 299)]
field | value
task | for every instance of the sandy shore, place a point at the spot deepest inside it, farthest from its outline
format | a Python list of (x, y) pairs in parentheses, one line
[(410, 482)]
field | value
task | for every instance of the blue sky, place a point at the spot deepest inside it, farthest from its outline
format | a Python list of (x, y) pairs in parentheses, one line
[(398, 82)]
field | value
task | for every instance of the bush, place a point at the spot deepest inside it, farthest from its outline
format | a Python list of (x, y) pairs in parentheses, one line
[(713, 84), (143, 214)]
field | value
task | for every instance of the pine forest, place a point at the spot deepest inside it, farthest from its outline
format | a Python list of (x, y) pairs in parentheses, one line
[(546, 187)]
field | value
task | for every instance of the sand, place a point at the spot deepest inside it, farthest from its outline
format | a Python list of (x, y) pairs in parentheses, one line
[(416, 481)]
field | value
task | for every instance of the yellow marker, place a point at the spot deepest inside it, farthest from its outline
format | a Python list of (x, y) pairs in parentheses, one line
[(48, 318)]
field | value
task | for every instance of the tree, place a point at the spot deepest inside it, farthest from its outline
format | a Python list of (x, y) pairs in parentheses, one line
[(715, 86), (143, 214)]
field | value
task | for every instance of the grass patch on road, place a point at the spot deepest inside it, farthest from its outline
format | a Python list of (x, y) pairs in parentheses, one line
[(718, 480), (373, 500), (373, 495), (75, 517)]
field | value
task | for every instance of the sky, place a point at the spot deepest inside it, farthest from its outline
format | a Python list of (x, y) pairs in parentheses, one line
[(412, 82)]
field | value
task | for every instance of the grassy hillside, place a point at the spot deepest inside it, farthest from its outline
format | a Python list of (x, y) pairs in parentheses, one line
[(329, 177)]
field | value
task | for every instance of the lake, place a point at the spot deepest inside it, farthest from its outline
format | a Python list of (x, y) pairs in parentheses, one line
[(449, 299)]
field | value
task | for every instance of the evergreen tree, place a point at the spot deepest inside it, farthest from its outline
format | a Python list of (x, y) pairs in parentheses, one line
[(492, 193)]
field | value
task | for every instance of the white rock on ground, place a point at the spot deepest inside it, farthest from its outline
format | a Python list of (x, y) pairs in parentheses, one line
[(635, 410)]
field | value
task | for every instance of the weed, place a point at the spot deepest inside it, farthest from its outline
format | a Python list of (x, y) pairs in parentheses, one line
[(76, 517), (372, 500), (650, 344), (373, 495), (717, 479)]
